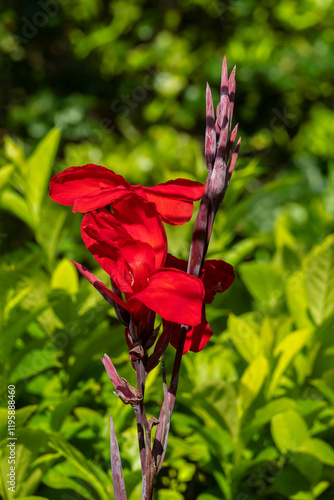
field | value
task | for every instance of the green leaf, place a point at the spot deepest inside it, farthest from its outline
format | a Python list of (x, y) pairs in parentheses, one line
[(221, 403), (291, 484), (39, 167), (318, 449), (267, 335), (49, 228), (82, 466), (28, 446), (264, 414), (223, 483), (289, 431), (65, 277), (34, 362), (67, 476), (287, 349), (14, 203), (90, 417), (319, 280), (207, 496), (168, 495), (5, 174), (14, 151), (296, 299), (309, 466), (33, 498), (320, 488), (264, 282), (62, 409), (244, 337), (12, 331), (252, 380)]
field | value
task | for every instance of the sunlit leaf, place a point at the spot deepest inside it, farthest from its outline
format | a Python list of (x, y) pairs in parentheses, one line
[(252, 380), (39, 166), (264, 282), (319, 280), (34, 362), (296, 298), (289, 431), (5, 173), (244, 337), (318, 449), (287, 349), (15, 203), (65, 277)]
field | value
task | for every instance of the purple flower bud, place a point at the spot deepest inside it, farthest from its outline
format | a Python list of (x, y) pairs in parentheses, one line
[(210, 133)]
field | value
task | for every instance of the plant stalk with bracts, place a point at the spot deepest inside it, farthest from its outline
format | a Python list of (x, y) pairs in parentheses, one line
[(159, 298)]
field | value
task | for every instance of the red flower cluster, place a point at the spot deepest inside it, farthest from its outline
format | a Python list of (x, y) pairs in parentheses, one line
[(129, 242)]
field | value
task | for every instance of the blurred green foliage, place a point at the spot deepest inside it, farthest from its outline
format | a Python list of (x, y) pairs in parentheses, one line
[(122, 84)]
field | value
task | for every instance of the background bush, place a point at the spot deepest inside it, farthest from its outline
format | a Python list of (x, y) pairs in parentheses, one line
[(122, 84)]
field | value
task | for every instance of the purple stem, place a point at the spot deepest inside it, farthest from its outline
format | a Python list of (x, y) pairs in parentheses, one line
[(140, 414), (116, 466), (146, 459), (161, 437), (199, 239)]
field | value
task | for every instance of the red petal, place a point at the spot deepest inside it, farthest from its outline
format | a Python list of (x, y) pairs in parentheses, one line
[(176, 296), (140, 220), (87, 188), (140, 257), (128, 243), (101, 227), (196, 338), (100, 287), (174, 199), (103, 238), (217, 277), (97, 199), (173, 261)]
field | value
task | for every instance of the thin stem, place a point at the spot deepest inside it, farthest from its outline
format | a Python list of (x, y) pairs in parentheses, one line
[(140, 414), (116, 466), (199, 239), (144, 438), (161, 437)]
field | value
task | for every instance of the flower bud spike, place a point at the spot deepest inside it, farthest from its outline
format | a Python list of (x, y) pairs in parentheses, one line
[(224, 129), (218, 119), (123, 390), (111, 370), (223, 91), (217, 181), (231, 141), (224, 79), (233, 158), (210, 132), (231, 93)]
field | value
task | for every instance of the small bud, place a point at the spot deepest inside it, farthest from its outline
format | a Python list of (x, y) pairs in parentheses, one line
[(123, 390), (136, 353), (217, 181), (210, 132), (233, 159)]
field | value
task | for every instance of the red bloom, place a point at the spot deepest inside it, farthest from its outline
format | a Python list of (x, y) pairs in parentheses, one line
[(130, 245), (217, 277), (91, 187)]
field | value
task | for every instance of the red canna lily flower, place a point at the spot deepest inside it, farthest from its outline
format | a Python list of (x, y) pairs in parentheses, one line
[(130, 245), (92, 187), (217, 277)]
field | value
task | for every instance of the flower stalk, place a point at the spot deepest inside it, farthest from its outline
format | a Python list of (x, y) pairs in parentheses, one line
[(123, 229)]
